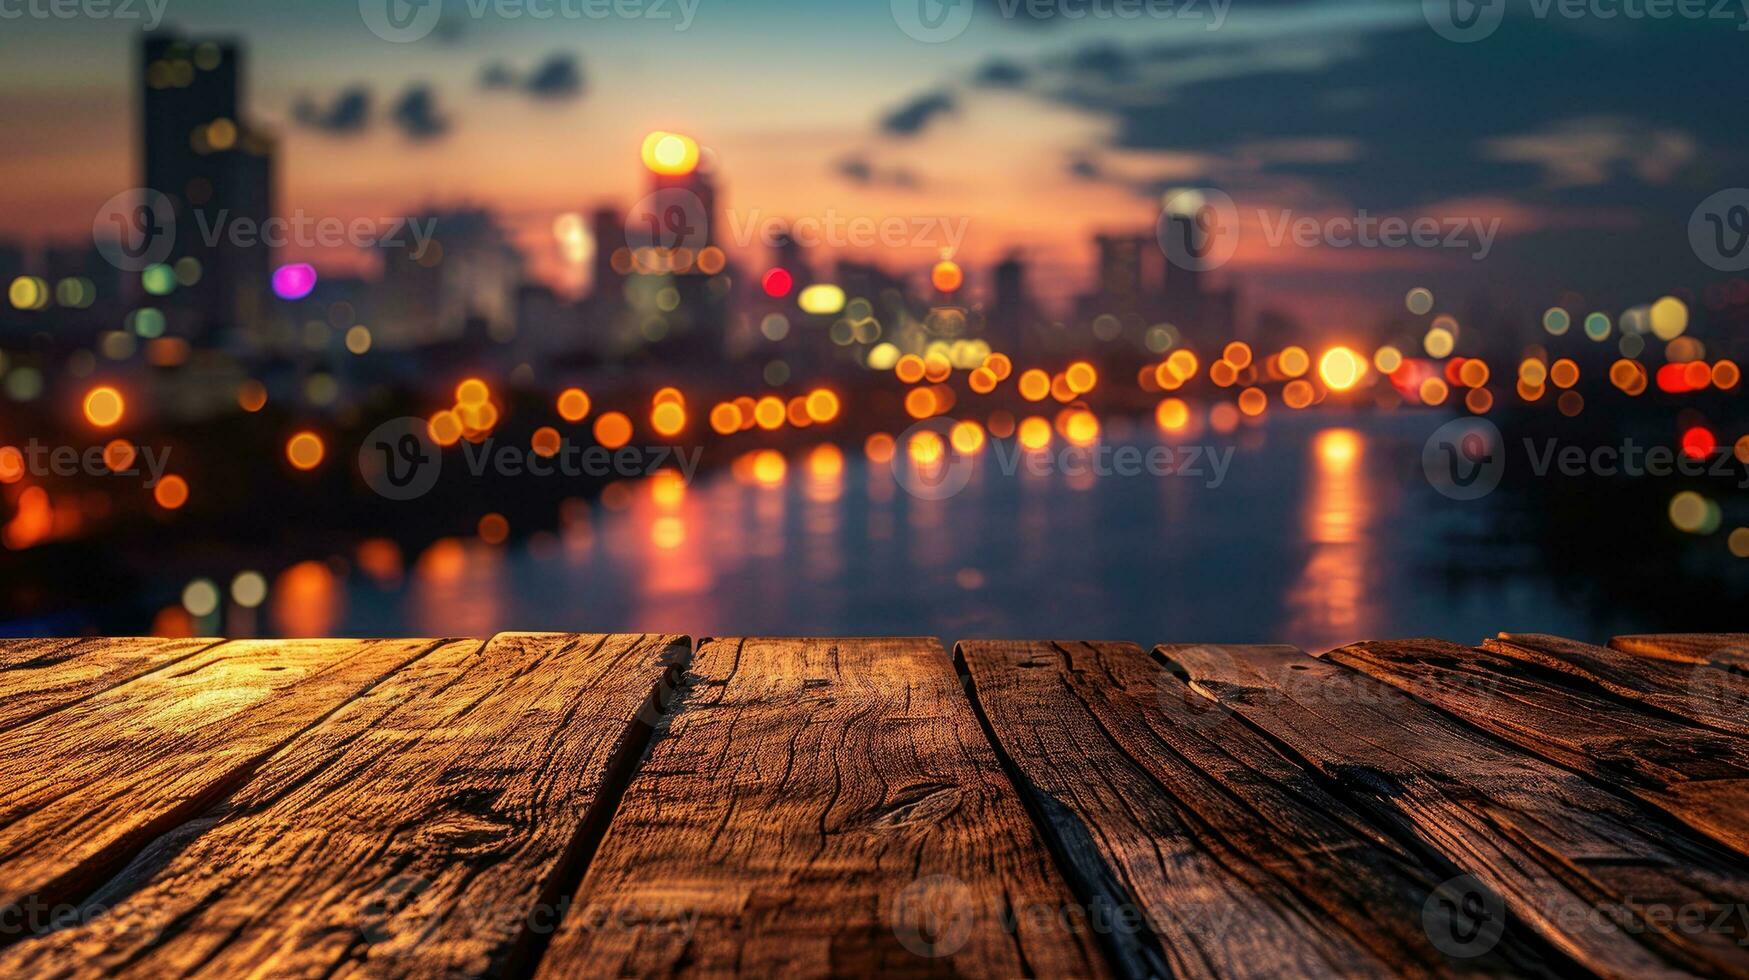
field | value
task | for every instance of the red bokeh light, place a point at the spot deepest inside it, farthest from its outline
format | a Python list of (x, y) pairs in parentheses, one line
[(1699, 443), (777, 283)]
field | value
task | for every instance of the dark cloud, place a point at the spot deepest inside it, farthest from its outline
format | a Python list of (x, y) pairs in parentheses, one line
[(910, 118), (416, 114), (1104, 60), (348, 113), (1085, 168), (1000, 73), (860, 170), (558, 78)]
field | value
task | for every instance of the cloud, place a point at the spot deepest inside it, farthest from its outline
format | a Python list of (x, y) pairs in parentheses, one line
[(348, 113), (1000, 73), (910, 118), (859, 169), (416, 114), (1588, 152), (558, 78)]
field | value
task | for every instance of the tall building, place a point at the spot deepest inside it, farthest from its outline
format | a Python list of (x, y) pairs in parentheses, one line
[(1010, 309), (608, 226), (200, 151), (1120, 270), (461, 287)]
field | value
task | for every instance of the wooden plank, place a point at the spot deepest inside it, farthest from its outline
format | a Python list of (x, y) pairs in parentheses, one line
[(1701, 692), (39, 682), (19, 651), (1240, 862), (1696, 775), (1725, 649), (822, 807), (83, 789), (1581, 866), (428, 829)]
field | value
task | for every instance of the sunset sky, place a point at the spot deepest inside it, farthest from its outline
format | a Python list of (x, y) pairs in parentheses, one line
[(1591, 140)]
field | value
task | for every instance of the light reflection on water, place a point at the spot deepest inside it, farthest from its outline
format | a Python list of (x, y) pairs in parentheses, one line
[(1320, 534)]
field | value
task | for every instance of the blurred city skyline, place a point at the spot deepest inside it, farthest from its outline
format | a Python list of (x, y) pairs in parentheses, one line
[(1031, 136)]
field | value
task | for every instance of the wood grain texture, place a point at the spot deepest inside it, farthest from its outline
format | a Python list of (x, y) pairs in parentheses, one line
[(822, 807), (25, 650), (1703, 692), (1725, 649), (40, 682), (83, 789), (1241, 864), (1582, 866), (1695, 774), (424, 830)]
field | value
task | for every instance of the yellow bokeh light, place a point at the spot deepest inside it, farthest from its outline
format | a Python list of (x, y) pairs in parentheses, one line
[(668, 419), (1035, 385), (104, 406), (822, 405), (1669, 318), (670, 154), (769, 413), (1034, 433), (1341, 368), (473, 391), (1081, 377), (1172, 414), (1294, 361), (821, 299), (967, 437)]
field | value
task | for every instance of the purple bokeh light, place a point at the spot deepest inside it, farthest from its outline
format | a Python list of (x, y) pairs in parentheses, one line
[(294, 281)]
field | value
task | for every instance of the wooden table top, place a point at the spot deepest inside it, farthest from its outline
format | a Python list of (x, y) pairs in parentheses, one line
[(559, 805)]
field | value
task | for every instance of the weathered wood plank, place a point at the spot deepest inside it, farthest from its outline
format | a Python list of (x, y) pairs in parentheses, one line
[(24, 650), (1695, 774), (1578, 864), (83, 789), (1723, 649), (1239, 861), (1703, 692), (38, 682), (822, 807), (425, 830)]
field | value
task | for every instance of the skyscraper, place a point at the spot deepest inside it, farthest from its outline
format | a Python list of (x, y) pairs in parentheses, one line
[(199, 150)]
